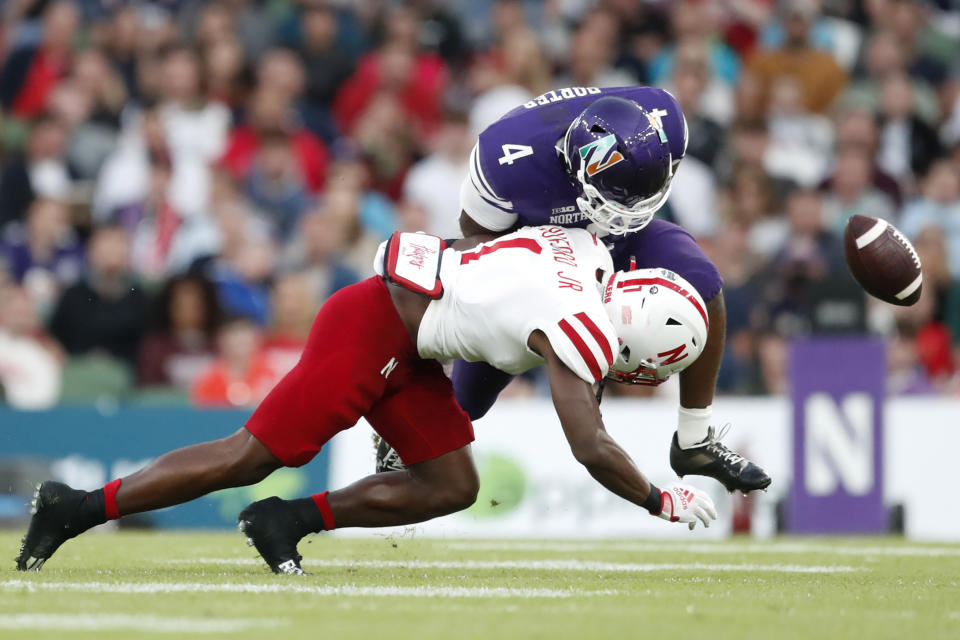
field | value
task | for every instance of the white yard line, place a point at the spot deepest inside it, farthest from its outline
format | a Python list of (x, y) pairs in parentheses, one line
[(540, 565), (138, 623), (711, 548), (349, 590)]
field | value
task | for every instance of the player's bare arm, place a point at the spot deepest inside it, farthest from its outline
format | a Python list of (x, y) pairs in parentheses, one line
[(699, 380), (605, 460), (579, 414)]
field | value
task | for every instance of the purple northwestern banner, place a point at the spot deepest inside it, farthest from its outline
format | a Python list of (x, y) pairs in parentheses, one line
[(837, 388)]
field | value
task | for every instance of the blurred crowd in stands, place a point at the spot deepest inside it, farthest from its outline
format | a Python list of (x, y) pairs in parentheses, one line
[(184, 182)]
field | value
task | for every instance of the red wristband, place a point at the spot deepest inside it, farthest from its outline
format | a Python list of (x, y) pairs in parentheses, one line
[(110, 499)]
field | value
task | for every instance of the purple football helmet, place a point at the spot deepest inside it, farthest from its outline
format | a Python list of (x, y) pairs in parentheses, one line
[(618, 155)]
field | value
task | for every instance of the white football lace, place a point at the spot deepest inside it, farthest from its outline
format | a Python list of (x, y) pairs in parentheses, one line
[(713, 444), (723, 452)]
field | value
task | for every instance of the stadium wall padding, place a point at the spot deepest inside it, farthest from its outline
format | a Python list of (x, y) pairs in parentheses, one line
[(532, 487), (87, 446)]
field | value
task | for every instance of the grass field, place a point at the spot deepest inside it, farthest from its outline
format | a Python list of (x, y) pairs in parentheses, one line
[(206, 585)]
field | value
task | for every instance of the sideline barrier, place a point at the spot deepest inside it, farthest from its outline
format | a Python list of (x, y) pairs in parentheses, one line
[(86, 447), (526, 466), (540, 491)]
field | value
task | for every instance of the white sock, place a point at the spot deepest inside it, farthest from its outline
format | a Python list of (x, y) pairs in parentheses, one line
[(692, 426)]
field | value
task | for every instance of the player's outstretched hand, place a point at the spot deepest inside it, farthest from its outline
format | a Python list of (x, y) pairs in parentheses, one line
[(684, 503)]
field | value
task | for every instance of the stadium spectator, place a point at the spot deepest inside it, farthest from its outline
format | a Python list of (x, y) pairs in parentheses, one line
[(907, 143), (883, 56), (852, 192), (800, 141), (326, 64), (706, 104), (858, 128), (124, 182), (506, 77), (352, 172), (269, 113), (274, 183), (241, 376), (692, 20), (182, 344), (30, 362), (593, 53), (415, 81), (224, 72), (316, 253), (819, 77), (434, 182), (31, 72), (43, 254), (105, 310), (89, 104), (805, 286), (938, 207), (41, 171), (704, 94), (195, 129), (293, 307)]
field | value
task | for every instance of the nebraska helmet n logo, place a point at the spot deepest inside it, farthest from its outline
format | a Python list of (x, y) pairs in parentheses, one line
[(597, 155), (674, 355)]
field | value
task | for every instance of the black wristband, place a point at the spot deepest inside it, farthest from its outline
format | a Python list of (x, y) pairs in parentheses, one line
[(654, 502)]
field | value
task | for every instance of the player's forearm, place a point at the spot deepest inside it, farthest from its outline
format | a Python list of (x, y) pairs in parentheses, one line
[(593, 447), (698, 381), (616, 471)]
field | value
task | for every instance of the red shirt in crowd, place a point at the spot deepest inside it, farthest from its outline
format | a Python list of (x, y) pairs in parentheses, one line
[(310, 151)]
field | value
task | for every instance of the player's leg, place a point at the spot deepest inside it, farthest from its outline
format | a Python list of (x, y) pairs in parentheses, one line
[(423, 491), (186, 474), (308, 406), (61, 513), (430, 432), (426, 490), (477, 385)]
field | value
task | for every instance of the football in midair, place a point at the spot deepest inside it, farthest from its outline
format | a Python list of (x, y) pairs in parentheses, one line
[(882, 260)]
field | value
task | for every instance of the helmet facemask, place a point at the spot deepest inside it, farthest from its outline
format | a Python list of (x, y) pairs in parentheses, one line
[(613, 217)]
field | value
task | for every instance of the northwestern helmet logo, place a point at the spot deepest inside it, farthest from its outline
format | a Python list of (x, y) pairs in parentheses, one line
[(597, 155)]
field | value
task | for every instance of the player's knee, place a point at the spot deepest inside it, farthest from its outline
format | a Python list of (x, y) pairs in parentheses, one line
[(244, 460), (461, 492)]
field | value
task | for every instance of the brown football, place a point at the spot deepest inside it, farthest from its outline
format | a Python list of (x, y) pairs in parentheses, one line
[(882, 260)]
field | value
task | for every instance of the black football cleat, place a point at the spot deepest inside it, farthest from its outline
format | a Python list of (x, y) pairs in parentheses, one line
[(272, 526), (387, 457), (714, 459), (55, 520)]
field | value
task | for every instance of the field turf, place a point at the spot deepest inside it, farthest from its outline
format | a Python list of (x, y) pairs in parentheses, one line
[(123, 585)]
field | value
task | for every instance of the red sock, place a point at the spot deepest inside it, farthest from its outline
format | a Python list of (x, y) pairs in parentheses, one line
[(320, 499), (110, 499)]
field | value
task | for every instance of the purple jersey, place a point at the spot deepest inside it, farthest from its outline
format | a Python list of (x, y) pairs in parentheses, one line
[(517, 178), (517, 175)]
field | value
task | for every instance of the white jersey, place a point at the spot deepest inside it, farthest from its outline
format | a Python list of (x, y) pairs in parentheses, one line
[(498, 293)]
